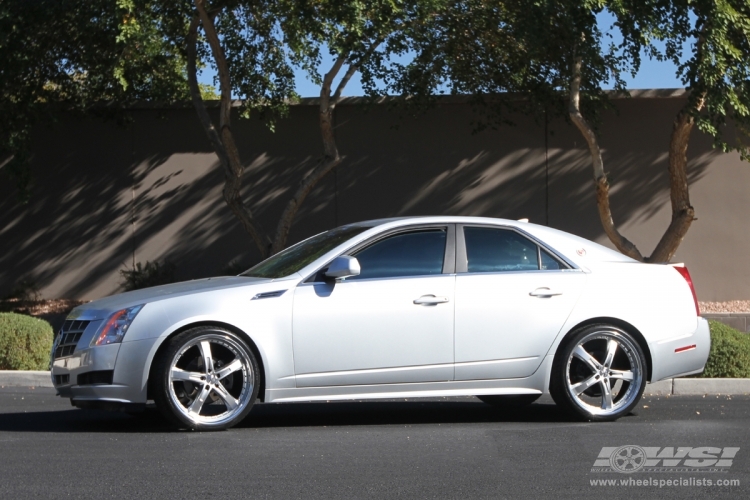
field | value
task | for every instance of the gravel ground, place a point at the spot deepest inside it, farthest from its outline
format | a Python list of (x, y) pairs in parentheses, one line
[(732, 306)]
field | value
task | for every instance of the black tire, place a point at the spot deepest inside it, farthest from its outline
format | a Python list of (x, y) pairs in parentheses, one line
[(509, 401), (584, 385), (202, 371)]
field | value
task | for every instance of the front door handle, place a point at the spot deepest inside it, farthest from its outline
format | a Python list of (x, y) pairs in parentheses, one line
[(544, 292), (430, 300)]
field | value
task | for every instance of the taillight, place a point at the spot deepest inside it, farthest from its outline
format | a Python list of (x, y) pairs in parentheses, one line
[(680, 268)]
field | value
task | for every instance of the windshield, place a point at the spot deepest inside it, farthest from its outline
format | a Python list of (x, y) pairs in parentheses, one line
[(296, 257)]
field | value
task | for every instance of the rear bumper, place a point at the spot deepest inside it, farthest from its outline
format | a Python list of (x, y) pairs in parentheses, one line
[(684, 355)]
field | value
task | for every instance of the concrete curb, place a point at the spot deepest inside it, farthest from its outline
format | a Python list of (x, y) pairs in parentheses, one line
[(18, 378), (698, 386)]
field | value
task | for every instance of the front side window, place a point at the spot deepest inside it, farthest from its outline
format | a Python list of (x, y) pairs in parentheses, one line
[(416, 253), (491, 250), (296, 257)]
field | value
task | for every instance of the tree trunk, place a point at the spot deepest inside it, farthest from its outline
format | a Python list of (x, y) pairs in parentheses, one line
[(600, 177), (223, 141), (683, 213), (331, 158)]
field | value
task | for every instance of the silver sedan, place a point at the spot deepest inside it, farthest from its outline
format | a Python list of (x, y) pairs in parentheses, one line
[(431, 306)]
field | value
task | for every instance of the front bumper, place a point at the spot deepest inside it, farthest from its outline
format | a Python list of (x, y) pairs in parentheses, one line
[(111, 376), (684, 355)]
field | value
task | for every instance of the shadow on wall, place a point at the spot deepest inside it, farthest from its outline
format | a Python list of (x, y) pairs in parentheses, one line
[(107, 197)]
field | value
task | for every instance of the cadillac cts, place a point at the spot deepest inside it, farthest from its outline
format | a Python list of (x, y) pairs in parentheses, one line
[(430, 306)]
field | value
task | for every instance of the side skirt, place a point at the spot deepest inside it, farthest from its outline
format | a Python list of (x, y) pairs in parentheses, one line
[(534, 384)]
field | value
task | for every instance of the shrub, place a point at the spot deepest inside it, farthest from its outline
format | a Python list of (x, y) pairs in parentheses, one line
[(151, 274), (25, 342), (730, 353)]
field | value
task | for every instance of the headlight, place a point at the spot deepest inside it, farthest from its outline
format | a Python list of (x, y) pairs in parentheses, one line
[(116, 326)]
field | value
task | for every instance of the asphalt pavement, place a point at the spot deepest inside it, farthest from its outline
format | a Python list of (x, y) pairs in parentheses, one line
[(433, 448)]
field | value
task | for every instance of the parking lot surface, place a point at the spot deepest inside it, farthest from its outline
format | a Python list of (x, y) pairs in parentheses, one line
[(432, 448)]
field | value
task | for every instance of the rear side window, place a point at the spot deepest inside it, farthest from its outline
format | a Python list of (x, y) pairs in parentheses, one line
[(548, 262), (417, 253), (491, 250)]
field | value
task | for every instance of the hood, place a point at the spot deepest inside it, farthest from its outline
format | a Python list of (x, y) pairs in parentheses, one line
[(101, 308)]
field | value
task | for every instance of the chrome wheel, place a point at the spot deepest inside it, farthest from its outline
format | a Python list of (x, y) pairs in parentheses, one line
[(210, 379), (604, 373)]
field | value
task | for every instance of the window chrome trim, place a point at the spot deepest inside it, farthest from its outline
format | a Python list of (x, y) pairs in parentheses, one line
[(506, 273), (462, 261), (368, 280), (449, 257)]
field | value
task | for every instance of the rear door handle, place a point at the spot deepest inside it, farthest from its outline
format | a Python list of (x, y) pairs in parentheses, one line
[(544, 292), (430, 300)]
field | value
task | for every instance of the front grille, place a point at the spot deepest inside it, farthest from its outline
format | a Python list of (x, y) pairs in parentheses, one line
[(68, 337), (96, 378)]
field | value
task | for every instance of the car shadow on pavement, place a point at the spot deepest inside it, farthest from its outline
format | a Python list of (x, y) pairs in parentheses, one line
[(74, 420), (388, 412), (394, 412)]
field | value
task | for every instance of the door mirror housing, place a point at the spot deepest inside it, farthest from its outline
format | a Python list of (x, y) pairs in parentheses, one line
[(343, 266)]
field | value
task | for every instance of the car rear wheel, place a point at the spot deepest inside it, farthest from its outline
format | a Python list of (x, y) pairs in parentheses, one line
[(205, 379), (599, 373), (509, 400)]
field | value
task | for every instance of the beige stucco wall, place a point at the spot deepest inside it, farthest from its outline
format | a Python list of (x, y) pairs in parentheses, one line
[(107, 195)]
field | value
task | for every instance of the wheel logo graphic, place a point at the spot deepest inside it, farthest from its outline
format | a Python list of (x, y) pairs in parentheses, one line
[(628, 459)]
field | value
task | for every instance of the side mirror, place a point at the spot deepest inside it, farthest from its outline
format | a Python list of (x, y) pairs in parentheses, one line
[(343, 267)]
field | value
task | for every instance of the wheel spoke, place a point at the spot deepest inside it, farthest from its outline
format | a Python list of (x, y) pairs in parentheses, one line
[(180, 374), (228, 399), (197, 404), (611, 349), (626, 375), (581, 353), (582, 386), (606, 394), (208, 362), (229, 369)]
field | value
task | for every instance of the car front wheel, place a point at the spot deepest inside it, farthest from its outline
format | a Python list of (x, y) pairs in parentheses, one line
[(205, 379), (599, 373)]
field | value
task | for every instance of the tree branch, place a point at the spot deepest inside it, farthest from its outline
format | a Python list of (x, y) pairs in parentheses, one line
[(331, 158), (225, 87), (230, 157), (195, 94), (600, 178), (353, 68), (683, 212)]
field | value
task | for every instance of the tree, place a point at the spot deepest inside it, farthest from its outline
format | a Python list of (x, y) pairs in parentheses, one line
[(534, 56), (73, 56), (114, 53), (362, 36), (717, 77), (254, 46)]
